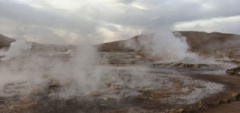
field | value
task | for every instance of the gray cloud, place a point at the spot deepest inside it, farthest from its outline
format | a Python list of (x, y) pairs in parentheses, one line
[(30, 15), (224, 24), (88, 20), (124, 1)]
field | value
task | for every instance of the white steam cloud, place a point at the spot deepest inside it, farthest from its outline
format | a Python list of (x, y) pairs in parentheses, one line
[(17, 48), (80, 73), (163, 46), (171, 48), (77, 74)]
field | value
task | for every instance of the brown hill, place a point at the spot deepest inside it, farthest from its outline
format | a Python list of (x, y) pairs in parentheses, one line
[(198, 41), (5, 41), (132, 44), (211, 41)]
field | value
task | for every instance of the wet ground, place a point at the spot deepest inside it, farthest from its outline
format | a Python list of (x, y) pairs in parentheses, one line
[(225, 108), (135, 85)]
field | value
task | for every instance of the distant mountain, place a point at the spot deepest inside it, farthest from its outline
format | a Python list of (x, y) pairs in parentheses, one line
[(124, 45), (211, 41), (198, 41), (5, 42)]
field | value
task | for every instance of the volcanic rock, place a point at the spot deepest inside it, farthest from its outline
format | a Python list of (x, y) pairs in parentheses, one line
[(234, 71)]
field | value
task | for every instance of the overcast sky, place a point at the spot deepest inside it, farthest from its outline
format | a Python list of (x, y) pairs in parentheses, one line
[(70, 21)]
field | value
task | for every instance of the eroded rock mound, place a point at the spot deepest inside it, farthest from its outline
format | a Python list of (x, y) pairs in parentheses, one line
[(234, 71)]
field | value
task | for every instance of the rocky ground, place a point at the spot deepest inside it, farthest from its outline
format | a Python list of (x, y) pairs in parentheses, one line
[(137, 85), (131, 82)]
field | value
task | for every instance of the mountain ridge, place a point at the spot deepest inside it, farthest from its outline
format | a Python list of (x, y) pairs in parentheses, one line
[(197, 41)]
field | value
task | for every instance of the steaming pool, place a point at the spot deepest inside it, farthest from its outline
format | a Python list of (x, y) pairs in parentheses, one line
[(119, 87)]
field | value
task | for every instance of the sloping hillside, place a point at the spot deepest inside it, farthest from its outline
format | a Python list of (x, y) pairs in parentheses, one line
[(123, 45), (211, 41), (5, 41), (198, 41)]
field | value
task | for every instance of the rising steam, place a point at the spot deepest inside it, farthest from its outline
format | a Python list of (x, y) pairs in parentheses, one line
[(77, 73), (17, 48), (81, 72), (163, 46)]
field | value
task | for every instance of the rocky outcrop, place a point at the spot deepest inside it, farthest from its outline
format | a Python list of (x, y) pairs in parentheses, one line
[(234, 71), (5, 41)]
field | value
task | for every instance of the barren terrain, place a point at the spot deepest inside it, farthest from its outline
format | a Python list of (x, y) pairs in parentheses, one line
[(131, 80)]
